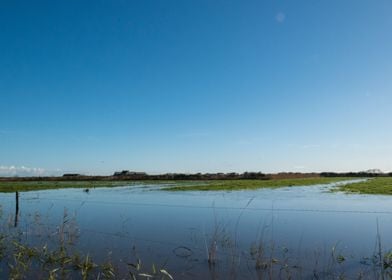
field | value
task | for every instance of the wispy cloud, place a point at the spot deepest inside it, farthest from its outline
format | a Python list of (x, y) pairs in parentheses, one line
[(9, 171), (280, 17)]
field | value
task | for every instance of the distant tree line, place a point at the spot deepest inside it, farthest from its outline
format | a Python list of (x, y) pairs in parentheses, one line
[(182, 176), (126, 175), (131, 175), (355, 174)]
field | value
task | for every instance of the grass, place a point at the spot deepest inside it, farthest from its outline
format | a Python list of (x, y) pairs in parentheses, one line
[(48, 185), (23, 186), (55, 255), (233, 185), (380, 185)]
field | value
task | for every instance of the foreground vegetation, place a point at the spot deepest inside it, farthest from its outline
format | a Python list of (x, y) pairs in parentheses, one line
[(379, 185), (54, 255), (44, 252), (19, 260), (232, 185)]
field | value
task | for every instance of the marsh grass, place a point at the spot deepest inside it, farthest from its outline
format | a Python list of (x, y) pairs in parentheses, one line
[(87, 185), (380, 185), (233, 185), (218, 239), (374, 186), (13, 186), (270, 261), (61, 262), (57, 257)]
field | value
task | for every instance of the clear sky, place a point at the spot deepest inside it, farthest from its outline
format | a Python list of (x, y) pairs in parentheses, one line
[(195, 86)]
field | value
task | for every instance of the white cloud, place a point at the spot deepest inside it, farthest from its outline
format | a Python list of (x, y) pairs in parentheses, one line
[(280, 17), (12, 170)]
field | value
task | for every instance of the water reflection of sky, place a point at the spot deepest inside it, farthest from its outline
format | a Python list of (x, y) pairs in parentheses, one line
[(303, 218)]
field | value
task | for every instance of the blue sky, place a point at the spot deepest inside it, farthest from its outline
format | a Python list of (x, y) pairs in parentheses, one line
[(195, 86)]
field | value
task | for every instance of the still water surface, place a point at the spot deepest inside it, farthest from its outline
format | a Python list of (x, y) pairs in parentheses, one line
[(176, 229)]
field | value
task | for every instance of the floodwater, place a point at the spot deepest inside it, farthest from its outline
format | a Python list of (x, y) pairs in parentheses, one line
[(177, 230)]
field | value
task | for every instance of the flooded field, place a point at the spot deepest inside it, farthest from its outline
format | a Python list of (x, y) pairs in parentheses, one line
[(291, 232)]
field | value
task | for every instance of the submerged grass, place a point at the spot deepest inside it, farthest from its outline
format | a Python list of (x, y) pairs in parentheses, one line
[(380, 185), (54, 254), (22, 186), (45, 185), (231, 185)]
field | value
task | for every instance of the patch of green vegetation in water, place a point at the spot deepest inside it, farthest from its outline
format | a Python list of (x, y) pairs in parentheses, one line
[(23, 186), (233, 185), (380, 185)]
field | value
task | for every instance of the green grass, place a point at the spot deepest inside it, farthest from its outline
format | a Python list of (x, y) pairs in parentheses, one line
[(232, 185), (382, 185), (373, 186), (175, 185), (48, 185)]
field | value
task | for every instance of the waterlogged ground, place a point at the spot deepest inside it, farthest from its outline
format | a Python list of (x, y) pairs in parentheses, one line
[(302, 232)]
